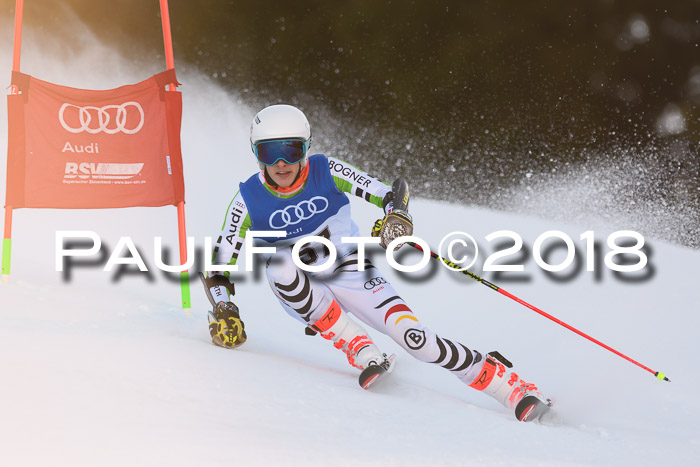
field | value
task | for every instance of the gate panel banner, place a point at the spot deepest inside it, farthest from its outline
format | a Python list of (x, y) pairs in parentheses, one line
[(74, 148)]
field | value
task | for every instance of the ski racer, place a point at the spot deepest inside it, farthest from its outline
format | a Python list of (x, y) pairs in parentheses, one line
[(300, 195)]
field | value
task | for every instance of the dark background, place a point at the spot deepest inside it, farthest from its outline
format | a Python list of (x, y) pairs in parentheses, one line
[(472, 101)]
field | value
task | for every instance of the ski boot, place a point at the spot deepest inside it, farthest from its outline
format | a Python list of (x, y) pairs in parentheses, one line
[(353, 340), (507, 388)]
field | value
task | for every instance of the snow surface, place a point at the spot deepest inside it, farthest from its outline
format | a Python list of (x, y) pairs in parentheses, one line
[(105, 370)]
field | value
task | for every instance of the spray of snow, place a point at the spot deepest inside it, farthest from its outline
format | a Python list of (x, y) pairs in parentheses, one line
[(671, 121), (630, 194)]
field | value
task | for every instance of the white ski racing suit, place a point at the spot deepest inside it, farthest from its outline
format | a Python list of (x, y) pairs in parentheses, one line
[(322, 300)]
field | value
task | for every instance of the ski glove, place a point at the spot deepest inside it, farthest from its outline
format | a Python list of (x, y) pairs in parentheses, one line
[(225, 326), (395, 224)]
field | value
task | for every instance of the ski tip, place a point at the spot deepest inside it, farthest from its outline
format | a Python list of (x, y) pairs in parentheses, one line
[(370, 374), (532, 408), (661, 376), (369, 381)]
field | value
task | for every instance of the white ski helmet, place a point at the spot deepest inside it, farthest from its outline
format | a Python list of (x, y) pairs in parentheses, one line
[(286, 133)]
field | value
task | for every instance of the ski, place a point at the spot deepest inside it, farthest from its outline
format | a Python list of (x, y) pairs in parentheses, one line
[(532, 408), (372, 373)]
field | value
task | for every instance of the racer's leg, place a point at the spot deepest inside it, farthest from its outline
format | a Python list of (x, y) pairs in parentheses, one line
[(311, 302), (370, 297)]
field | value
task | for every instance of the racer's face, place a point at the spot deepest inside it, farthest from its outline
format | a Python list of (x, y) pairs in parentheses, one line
[(282, 173)]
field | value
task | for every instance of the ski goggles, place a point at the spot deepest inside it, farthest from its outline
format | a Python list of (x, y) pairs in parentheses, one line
[(289, 150)]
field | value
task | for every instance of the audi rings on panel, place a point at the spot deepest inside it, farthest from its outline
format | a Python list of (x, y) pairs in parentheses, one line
[(110, 119), (292, 215), (374, 282)]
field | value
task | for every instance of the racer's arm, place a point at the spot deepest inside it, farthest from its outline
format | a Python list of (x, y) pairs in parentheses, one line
[(230, 241), (225, 325), (352, 180)]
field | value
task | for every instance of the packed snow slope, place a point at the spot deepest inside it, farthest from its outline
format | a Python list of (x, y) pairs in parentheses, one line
[(105, 369), (96, 372)]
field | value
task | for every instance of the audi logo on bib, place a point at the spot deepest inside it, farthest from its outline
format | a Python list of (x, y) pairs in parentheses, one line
[(127, 118), (375, 282), (292, 215)]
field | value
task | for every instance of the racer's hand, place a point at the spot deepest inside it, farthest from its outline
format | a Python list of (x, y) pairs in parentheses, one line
[(395, 224), (225, 326)]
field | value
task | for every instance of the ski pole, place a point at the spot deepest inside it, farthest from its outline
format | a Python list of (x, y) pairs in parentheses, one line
[(401, 199), (660, 376)]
